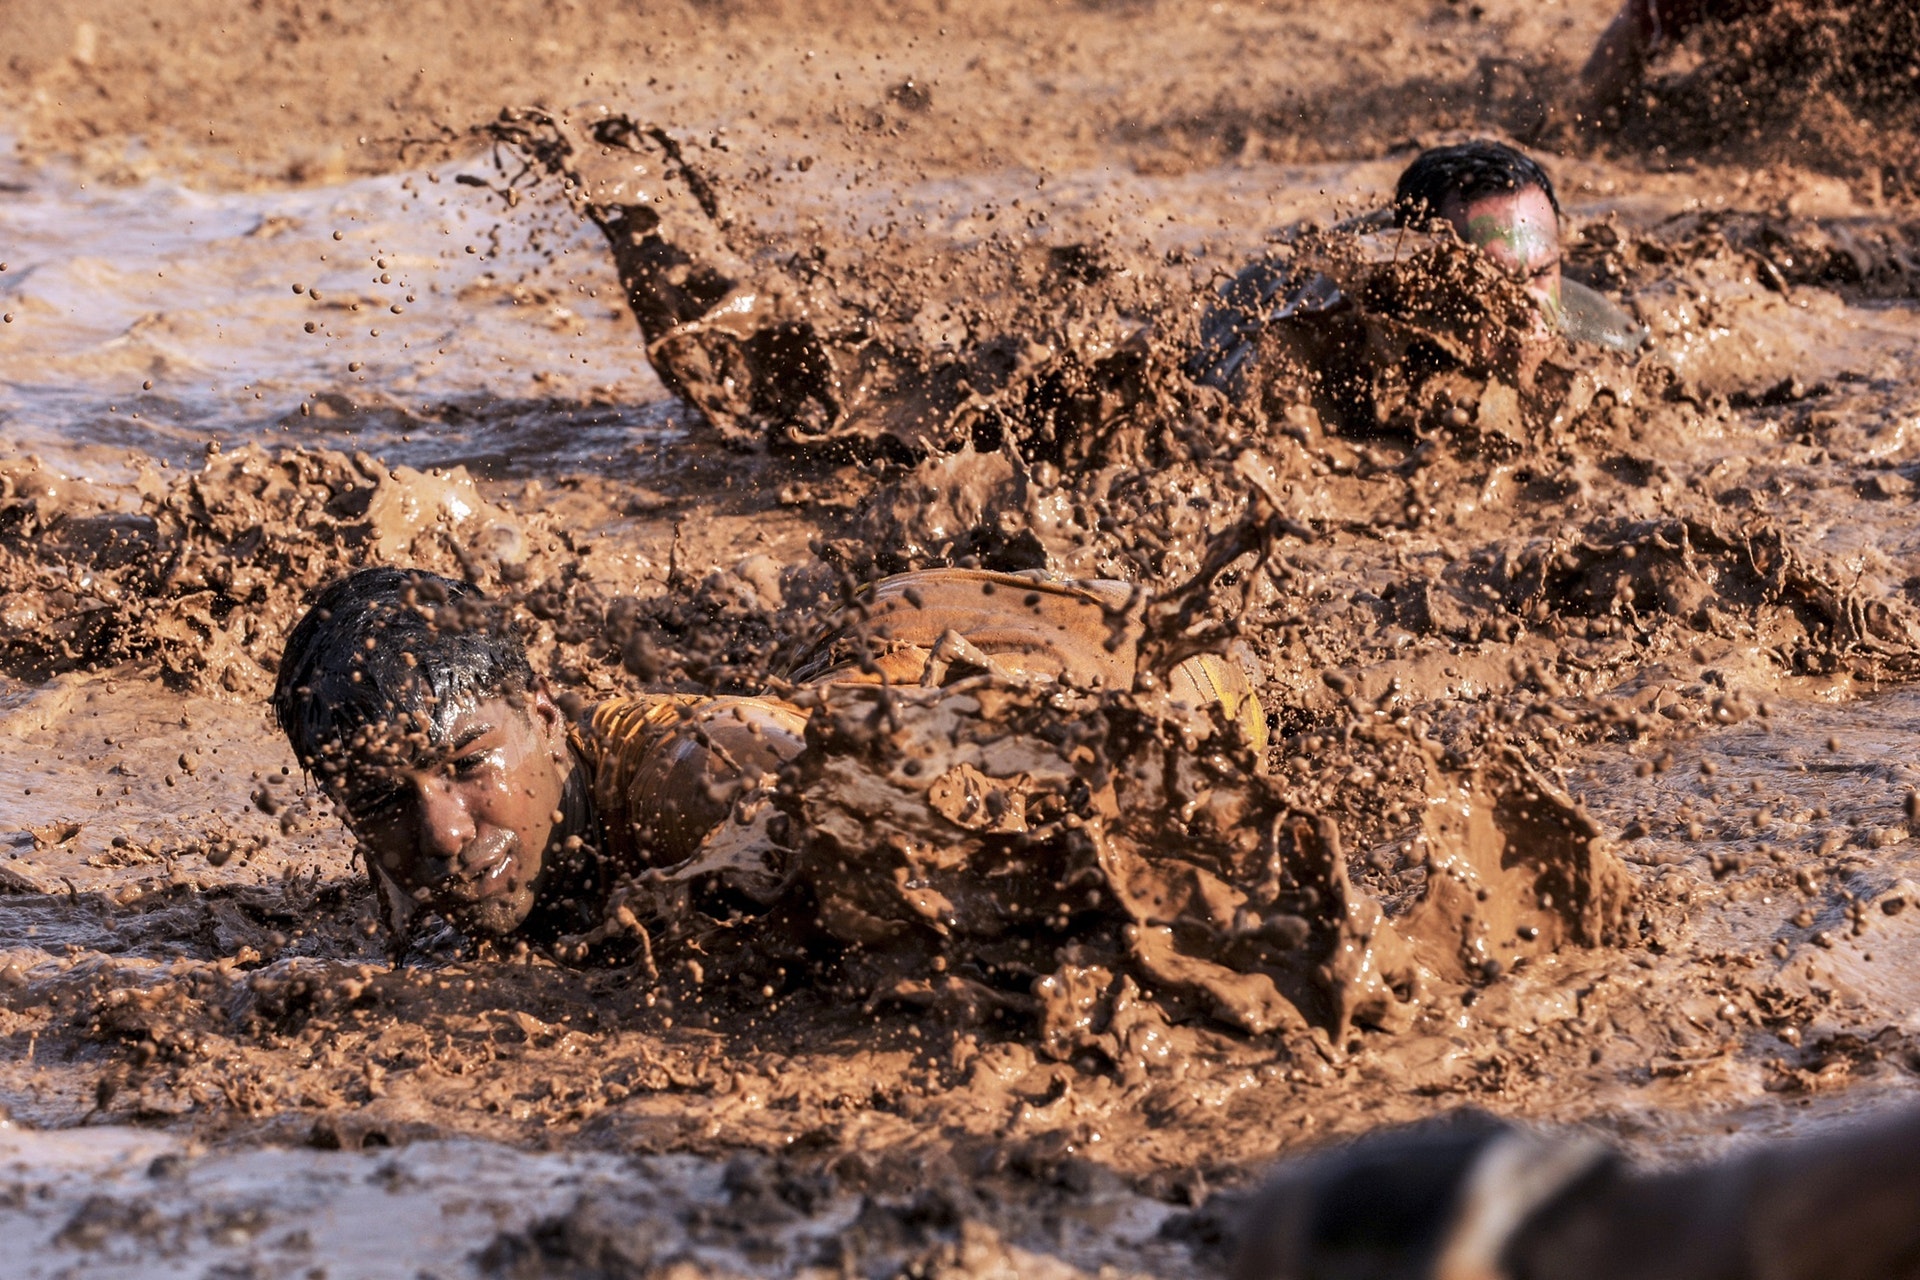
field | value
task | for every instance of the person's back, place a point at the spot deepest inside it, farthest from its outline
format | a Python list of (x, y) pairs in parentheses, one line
[(668, 768)]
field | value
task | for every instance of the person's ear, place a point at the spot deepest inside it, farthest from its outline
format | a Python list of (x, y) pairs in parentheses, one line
[(546, 714)]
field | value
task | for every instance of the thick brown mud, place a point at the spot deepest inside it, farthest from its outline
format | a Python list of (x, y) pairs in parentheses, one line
[(1586, 676), (1826, 81)]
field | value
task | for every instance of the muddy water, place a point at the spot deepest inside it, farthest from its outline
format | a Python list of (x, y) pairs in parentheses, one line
[(1678, 592), (157, 320)]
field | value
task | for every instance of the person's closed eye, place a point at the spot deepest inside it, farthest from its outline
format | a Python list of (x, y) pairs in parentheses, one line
[(471, 764), (376, 803)]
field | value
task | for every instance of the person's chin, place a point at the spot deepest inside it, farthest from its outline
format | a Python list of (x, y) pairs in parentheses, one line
[(499, 907), (493, 917)]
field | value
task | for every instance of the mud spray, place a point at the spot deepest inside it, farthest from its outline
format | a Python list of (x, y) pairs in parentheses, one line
[(1589, 794)]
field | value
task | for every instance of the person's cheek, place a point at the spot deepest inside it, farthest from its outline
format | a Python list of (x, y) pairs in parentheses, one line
[(490, 797)]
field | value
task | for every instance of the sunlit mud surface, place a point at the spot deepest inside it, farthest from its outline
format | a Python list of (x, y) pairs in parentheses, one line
[(1590, 797)]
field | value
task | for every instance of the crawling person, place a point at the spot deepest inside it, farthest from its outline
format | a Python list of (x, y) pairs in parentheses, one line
[(1498, 200), (768, 356), (1490, 195), (410, 699)]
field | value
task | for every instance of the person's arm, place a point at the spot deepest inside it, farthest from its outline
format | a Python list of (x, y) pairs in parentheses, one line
[(1841, 1207), (1469, 1197)]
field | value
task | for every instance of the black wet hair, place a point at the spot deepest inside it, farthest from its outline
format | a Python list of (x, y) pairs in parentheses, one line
[(388, 646), (1466, 171)]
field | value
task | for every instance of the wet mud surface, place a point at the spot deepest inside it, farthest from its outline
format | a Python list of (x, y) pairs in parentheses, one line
[(1587, 677)]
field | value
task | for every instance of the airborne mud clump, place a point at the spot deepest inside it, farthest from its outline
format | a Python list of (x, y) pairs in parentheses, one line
[(1576, 785)]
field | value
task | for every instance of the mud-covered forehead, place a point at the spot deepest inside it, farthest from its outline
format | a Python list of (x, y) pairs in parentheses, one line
[(385, 663), (1518, 228), (388, 717)]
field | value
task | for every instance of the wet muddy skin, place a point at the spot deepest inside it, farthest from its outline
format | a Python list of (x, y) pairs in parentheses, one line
[(1667, 602)]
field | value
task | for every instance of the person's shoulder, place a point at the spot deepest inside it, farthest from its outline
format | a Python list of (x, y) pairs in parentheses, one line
[(619, 723)]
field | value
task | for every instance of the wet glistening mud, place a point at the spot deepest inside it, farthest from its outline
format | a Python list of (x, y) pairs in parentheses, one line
[(1580, 785)]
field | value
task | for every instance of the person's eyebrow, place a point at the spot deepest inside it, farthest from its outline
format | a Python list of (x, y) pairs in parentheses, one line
[(467, 737)]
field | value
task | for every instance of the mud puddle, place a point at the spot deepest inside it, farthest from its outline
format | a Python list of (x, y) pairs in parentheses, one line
[(154, 320)]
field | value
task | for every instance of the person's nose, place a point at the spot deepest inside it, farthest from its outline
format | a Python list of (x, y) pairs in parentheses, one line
[(445, 826)]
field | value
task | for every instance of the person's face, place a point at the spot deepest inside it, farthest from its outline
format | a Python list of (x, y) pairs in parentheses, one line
[(1520, 232), (464, 827)]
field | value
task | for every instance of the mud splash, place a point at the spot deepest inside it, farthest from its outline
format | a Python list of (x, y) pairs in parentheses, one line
[(1111, 866)]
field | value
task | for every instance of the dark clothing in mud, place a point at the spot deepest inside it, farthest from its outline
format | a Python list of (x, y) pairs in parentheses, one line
[(1470, 1196)]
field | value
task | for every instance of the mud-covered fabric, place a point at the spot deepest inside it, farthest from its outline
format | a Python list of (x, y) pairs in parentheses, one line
[(667, 767), (938, 625)]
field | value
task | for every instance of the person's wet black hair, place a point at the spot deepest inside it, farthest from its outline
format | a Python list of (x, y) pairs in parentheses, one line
[(385, 647), (1466, 171)]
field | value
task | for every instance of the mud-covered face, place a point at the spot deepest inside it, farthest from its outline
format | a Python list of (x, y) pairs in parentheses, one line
[(463, 826), (1520, 231)]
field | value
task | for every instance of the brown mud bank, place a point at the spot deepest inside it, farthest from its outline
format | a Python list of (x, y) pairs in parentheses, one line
[(1827, 83), (292, 92), (284, 92)]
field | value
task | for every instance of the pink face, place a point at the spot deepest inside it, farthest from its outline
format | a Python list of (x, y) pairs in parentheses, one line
[(1521, 233)]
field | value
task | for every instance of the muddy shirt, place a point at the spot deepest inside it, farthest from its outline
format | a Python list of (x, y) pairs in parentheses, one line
[(938, 625), (915, 627), (667, 768), (1267, 291)]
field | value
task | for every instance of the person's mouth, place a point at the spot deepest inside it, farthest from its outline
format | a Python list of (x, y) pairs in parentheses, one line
[(489, 868)]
